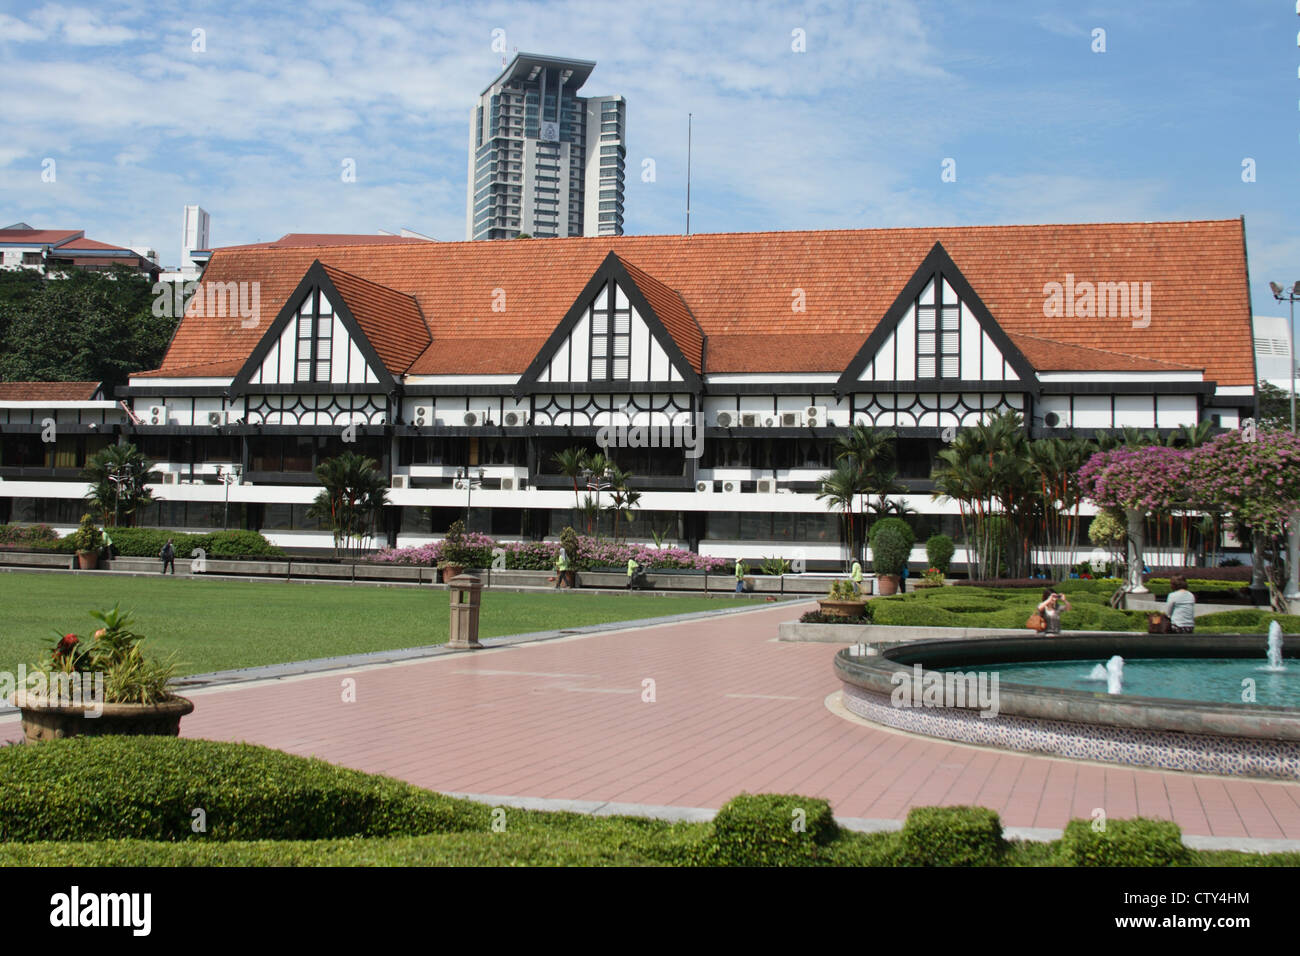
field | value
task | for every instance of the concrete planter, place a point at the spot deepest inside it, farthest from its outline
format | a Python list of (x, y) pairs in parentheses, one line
[(45, 721), (845, 609), (887, 584)]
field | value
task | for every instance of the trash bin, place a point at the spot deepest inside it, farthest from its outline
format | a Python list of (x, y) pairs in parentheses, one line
[(466, 592)]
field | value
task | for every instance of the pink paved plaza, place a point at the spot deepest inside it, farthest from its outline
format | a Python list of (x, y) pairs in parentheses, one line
[(733, 710)]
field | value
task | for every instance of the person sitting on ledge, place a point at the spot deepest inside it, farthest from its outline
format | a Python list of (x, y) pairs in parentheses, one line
[(1180, 607)]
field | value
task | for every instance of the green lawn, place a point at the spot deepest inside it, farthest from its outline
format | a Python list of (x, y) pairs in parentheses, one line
[(215, 625)]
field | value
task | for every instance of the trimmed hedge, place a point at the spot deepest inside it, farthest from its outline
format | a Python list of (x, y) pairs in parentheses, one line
[(952, 836), (148, 542), (769, 829), (1246, 621), (108, 788), (1136, 842), (939, 550), (34, 534)]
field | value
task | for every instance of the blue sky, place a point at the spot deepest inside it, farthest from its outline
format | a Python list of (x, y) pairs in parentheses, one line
[(851, 133)]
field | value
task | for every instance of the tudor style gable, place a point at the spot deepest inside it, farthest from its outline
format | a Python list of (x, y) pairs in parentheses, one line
[(336, 331), (937, 336), (625, 329)]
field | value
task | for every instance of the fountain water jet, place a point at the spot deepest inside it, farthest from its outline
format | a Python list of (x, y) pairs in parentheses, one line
[(1275, 647), (1115, 675)]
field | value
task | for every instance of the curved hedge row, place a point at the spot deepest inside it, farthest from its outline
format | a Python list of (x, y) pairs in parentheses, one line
[(108, 788)]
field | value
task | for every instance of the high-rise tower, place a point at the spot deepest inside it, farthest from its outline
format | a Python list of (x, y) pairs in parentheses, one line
[(543, 160)]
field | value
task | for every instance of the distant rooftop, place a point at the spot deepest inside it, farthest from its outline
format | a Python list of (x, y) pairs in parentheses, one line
[(525, 66)]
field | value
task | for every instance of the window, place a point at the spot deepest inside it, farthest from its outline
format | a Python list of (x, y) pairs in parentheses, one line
[(611, 335), (315, 333), (938, 333)]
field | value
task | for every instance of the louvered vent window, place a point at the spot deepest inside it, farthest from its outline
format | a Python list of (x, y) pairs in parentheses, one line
[(315, 334), (938, 336), (611, 336)]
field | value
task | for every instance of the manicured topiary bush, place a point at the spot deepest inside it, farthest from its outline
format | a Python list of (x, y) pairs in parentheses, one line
[(952, 836), (890, 550), (1136, 842), (939, 550), (768, 829), (101, 788)]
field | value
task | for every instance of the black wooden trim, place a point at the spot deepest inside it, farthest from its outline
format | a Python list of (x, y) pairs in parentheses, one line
[(318, 388), (610, 269), (316, 278), (1129, 388), (937, 264)]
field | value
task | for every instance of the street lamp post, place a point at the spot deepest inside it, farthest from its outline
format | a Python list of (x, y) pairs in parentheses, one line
[(470, 484), (118, 479), (597, 483), (1293, 523), (228, 476)]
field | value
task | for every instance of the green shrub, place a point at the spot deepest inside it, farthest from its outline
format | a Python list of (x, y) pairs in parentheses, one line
[(819, 617), (99, 788), (769, 829), (27, 535), (240, 544), (148, 542), (1136, 842), (884, 524), (891, 548), (87, 537), (939, 551), (952, 836), (1246, 621)]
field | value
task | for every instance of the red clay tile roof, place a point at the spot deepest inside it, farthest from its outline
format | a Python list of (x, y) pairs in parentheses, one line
[(740, 287), (391, 320), (299, 240), (48, 391), (1050, 355), (224, 368), (673, 313), (94, 244), (39, 236)]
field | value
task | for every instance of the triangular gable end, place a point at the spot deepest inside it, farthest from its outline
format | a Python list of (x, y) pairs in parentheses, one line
[(611, 335), (939, 335), (315, 342)]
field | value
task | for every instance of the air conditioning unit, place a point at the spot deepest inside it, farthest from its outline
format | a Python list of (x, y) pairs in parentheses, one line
[(791, 419), (169, 478), (514, 484), (766, 486), (750, 419), (704, 487), (515, 419), (217, 419), (730, 487), (157, 415), (423, 416), (725, 419), (815, 415), (771, 421), (401, 481), (478, 417)]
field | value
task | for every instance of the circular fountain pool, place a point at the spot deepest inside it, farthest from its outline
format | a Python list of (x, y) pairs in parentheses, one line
[(1186, 703), (1220, 680)]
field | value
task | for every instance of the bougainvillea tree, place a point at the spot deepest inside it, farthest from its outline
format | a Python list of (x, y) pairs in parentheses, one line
[(1254, 476), (1139, 480)]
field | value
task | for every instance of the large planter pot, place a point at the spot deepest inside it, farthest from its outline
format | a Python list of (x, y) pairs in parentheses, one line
[(450, 571), (86, 560), (43, 721), (844, 609), (887, 583)]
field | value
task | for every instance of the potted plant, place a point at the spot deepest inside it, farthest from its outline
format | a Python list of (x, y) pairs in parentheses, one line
[(930, 578), (99, 686), (891, 546), (453, 552), (86, 540), (843, 601)]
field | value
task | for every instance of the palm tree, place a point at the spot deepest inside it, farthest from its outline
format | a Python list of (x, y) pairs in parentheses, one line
[(841, 488), (117, 476), (355, 492), (571, 463), (873, 452), (624, 498)]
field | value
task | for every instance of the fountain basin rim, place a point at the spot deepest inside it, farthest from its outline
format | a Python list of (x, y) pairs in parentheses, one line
[(875, 674)]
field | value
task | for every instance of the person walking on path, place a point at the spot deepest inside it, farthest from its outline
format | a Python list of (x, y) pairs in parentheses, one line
[(561, 569), (631, 572), (856, 576), (168, 555), (1180, 607), (740, 575)]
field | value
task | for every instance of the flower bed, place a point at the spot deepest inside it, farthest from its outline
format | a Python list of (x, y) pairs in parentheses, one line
[(541, 555)]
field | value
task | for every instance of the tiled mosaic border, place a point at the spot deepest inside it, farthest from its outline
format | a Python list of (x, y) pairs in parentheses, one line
[(1165, 750)]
